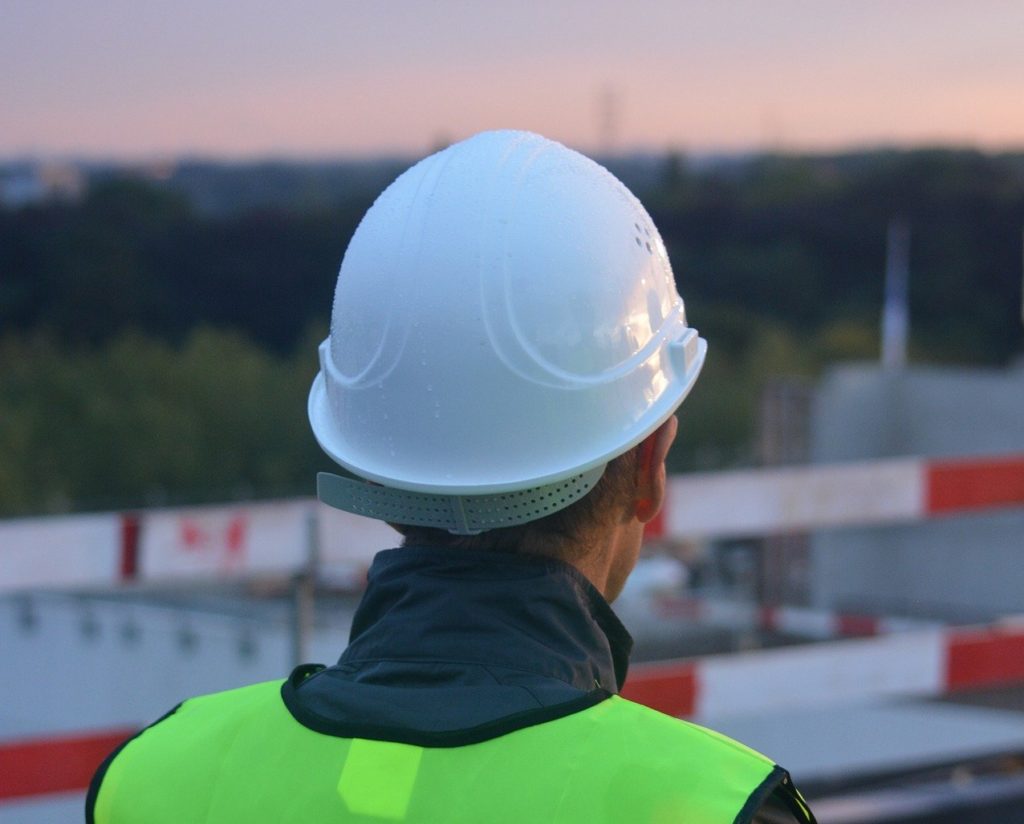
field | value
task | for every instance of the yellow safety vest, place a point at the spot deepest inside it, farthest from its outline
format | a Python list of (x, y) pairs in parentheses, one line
[(240, 757)]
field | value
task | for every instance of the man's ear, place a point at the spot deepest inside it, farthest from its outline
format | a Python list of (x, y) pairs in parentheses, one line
[(650, 471)]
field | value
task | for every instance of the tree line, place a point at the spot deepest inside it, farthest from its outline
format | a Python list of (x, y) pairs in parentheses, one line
[(155, 351)]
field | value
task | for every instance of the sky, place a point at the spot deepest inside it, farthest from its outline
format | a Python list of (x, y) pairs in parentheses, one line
[(325, 78)]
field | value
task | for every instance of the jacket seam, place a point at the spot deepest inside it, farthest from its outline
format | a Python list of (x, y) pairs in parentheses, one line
[(435, 739), (482, 664)]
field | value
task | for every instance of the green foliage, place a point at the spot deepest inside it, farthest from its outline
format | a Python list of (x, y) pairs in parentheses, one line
[(802, 241), (131, 256), (156, 348), (717, 422), (139, 422)]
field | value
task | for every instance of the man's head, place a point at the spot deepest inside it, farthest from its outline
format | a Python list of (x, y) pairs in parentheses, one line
[(600, 533), (506, 325)]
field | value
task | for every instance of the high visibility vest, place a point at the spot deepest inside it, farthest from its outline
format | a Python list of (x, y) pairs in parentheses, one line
[(240, 756)]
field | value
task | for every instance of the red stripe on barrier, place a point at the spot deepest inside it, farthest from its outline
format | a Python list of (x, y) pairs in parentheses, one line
[(987, 657), (40, 766), (856, 625), (975, 484), (129, 547), (668, 688)]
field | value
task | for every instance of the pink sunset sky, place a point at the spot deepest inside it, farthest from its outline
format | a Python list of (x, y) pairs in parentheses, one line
[(327, 78)]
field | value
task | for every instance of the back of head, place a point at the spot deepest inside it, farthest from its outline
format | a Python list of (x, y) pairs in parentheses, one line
[(505, 324)]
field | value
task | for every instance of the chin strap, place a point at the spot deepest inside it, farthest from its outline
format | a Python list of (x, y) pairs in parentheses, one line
[(459, 514)]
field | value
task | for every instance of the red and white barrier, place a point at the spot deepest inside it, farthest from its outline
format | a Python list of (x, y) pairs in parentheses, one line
[(802, 622), (222, 542), (261, 538), (29, 766), (254, 539), (922, 663), (766, 501), (61, 551), (210, 542), (279, 538)]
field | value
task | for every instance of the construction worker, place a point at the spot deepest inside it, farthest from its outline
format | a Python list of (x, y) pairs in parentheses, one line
[(507, 352)]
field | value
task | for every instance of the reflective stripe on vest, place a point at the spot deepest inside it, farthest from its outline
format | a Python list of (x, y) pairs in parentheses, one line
[(240, 756)]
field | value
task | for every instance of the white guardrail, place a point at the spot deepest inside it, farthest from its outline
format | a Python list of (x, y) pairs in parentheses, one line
[(238, 540)]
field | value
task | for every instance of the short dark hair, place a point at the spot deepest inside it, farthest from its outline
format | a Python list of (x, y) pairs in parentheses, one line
[(563, 534)]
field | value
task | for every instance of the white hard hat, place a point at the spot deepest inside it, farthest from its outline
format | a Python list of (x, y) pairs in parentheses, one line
[(505, 322)]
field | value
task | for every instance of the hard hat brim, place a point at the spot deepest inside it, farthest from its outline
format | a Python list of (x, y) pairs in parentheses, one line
[(507, 477)]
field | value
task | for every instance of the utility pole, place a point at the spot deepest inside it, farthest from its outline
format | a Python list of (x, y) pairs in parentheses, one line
[(304, 582), (895, 312)]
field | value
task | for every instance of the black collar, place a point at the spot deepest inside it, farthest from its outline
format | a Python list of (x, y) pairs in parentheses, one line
[(453, 647), (491, 609)]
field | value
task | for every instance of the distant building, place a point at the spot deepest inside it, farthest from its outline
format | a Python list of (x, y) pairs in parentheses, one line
[(963, 568), (26, 183)]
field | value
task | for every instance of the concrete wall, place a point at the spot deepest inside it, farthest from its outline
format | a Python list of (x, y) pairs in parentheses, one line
[(80, 665), (961, 569)]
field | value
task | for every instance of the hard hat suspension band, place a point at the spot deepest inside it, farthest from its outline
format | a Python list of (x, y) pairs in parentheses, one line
[(459, 514)]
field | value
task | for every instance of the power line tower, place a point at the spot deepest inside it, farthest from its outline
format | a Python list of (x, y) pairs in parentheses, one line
[(608, 116)]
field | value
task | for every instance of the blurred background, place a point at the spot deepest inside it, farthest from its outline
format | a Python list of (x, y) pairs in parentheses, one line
[(837, 579)]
